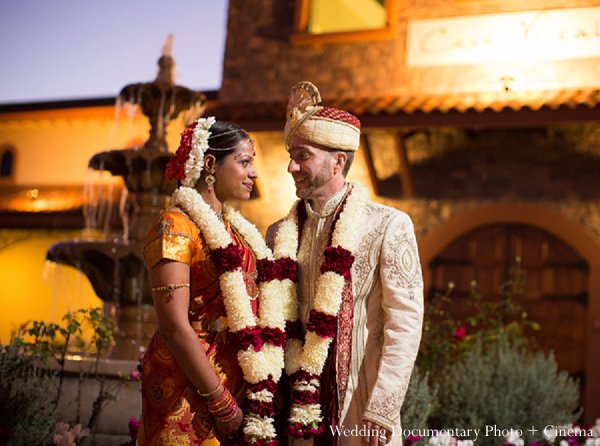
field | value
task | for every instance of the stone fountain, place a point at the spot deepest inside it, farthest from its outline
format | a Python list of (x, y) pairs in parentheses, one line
[(115, 267)]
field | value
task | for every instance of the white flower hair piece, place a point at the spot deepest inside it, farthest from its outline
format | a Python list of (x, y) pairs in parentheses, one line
[(195, 161)]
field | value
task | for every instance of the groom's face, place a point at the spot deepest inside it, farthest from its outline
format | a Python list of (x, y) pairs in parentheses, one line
[(310, 165)]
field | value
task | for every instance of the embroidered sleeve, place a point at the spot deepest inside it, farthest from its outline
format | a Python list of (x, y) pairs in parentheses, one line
[(402, 301), (172, 237)]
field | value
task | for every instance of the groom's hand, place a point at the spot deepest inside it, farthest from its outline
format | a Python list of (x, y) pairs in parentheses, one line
[(376, 435)]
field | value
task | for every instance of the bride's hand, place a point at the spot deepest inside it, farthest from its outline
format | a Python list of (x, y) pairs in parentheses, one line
[(229, 428)]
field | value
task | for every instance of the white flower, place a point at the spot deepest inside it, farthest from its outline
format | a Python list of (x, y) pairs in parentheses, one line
[(596, 428), (330, 288), (195, 161), (306, 414), (550, 434), (514, 438), (314, 353), (264, 395), (257, 366), (237, 305), (272, 309), (257, 426)]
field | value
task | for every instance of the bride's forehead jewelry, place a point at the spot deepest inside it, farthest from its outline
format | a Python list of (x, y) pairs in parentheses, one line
[(187, 163), (228, 132), (225, 149)]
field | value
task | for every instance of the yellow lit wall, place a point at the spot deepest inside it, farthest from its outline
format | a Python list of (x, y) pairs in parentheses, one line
[(26, 295), (53, 148)]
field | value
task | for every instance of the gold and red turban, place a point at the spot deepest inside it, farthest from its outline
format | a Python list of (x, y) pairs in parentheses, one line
[(326, 126)]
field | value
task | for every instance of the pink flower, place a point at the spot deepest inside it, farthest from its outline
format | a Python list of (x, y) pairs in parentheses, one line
[(134, 375), (411, 439), (134, 427), (64, 435), (460, 332)]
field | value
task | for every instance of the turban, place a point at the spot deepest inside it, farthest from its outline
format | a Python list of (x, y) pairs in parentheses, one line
[(327, 126)]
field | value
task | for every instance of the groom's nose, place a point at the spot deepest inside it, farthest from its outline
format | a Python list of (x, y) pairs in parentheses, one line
[(293, 166)]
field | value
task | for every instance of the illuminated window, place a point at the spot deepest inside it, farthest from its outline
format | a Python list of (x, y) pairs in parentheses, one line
[(320, 21)]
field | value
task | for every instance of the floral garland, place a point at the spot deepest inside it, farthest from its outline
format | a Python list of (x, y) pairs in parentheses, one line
[(304, 362), (260, 341)]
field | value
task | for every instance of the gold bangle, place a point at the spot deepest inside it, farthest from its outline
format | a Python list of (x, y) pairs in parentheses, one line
[(170, 288), (230, 416), (211, 393)]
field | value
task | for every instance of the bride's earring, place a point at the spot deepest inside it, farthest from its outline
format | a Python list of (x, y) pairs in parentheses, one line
[(210, 181)]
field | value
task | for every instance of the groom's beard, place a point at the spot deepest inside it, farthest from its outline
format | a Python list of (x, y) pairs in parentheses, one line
[(322, 177)]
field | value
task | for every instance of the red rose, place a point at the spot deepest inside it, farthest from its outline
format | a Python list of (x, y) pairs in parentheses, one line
[(298, 430), (264, 408), (460, 332), (247, 337), (176, 166), (267, 384), (273, 336), (305, 397), (227, 259), (322, 324), (280, 269), (338, 260), (287, 269), (302, 375)]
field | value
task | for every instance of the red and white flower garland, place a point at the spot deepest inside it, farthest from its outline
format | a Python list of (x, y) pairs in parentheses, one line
[(261, 341), (304, 362)]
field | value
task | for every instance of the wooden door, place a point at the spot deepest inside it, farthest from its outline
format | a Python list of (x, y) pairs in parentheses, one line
[(555, 290)]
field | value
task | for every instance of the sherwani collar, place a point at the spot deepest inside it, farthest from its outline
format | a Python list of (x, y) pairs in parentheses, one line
[(330, 207)]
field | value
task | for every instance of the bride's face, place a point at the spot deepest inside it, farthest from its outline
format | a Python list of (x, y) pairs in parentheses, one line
[(236, 174)]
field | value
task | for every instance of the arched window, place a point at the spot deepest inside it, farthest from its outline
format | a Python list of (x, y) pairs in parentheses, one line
[(6, 163)]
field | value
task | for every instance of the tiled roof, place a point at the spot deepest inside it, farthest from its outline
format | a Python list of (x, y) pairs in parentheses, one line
[(425, 103), (463, 102)]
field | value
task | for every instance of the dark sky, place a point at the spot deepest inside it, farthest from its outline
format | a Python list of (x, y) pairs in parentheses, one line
[(84, 49)]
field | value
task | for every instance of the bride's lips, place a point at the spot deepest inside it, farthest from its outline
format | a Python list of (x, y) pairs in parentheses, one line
[(249, 186)]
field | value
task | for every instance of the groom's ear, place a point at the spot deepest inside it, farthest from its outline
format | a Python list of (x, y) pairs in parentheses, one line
[(339, 159)]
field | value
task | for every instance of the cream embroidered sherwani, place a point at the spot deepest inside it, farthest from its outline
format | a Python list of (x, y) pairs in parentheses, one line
[(388, 310)]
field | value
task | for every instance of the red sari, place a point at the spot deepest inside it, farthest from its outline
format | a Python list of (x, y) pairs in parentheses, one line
[(172, 411)]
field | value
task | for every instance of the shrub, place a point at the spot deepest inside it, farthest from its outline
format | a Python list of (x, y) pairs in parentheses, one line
[(504, 385), (27, 413), (419, 401)]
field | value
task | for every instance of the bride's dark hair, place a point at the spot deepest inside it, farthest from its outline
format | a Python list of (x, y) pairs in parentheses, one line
[(224, 135)]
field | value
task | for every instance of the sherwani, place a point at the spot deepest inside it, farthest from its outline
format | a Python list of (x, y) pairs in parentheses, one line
[(387, 288)]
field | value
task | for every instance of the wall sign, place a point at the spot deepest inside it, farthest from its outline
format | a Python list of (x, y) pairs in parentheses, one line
[(533, 36)]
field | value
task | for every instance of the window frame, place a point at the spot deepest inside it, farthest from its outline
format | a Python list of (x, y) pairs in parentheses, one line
[(300, 36)]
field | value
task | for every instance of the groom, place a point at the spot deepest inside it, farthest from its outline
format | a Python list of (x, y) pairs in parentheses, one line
[(355, 326)]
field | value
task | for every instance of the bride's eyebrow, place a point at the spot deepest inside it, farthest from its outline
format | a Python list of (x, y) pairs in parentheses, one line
[(237, 156)]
